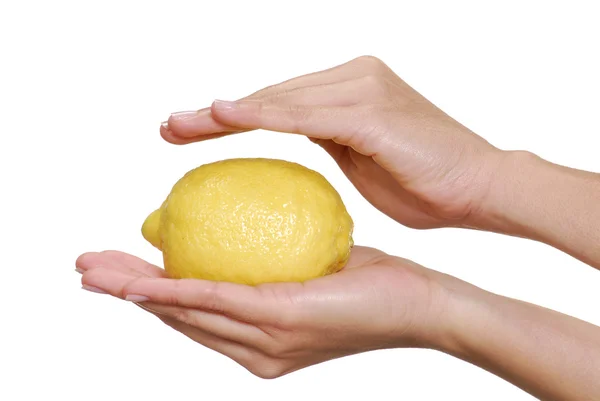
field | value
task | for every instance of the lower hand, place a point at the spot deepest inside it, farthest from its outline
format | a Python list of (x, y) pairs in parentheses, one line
[(377, 301)]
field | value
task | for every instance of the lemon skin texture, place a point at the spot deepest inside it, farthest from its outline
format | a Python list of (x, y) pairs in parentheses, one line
[(251, 221)]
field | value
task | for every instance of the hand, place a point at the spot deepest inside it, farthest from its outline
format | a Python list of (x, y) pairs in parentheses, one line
[(377, 301), (408, 158)]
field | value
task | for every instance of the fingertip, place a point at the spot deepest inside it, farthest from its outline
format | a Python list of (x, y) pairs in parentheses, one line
[(83, 261), (167, 135), (188, 127), (192, 123), (89, 277)]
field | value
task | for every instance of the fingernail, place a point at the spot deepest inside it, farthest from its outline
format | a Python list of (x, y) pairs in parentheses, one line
[(165, 129), (136, 298), (93, 289), (184, 115), (224, 105), (80, 271)]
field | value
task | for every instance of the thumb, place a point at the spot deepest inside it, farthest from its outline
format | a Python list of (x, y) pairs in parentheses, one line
[(336, 151), (340, 124)]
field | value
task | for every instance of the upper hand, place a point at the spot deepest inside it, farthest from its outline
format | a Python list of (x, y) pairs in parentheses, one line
[(407, 157), (377, 301)]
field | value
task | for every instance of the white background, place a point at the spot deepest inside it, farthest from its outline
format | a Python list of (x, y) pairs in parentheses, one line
[(84, 86)]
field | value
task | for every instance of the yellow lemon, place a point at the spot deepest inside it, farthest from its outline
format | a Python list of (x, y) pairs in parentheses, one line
[(251, 221)]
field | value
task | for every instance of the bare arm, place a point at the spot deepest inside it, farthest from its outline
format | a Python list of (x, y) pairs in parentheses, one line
[(550, 355), (546, 202)]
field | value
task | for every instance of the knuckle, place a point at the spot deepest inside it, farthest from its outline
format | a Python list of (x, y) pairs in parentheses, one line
[(300, 117), (214, 297), (299, 113), (282, 96), (384, 260), (261, 93), (376, 85), (372, 63), (171, 296), (279, 95), (287, 318), (129, 287), (183, 315), (372, 130)]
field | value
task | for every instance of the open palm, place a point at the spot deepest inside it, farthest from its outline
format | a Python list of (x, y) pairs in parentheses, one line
[(377, 301)]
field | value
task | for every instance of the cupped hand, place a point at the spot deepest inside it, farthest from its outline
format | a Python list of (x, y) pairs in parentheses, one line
[(407, 157), (377, 301)]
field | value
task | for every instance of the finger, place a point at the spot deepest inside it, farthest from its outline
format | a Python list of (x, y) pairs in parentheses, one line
[(117, 260), (215, 324), (240, 302), (169, 136), (110, 281), (187, 124), (230, 349), (182, 126), (340, 124)]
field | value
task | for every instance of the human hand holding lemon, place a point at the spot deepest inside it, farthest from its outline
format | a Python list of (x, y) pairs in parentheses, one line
[(377, 301), (253, 250)]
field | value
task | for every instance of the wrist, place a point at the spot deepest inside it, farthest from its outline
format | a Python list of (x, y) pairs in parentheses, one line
[(455, 307), (466, 309), (508, 189)]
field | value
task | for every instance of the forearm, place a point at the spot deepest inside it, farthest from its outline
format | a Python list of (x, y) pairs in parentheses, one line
[(550, 355), (530, 197)]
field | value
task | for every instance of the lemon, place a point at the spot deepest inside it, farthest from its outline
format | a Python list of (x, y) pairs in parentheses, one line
[(251, 221)]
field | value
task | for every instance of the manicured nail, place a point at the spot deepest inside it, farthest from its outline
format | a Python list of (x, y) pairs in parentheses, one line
[(136, 298), (224, 105), (184, 115), (93, 289), (165, 129), (80, 271)]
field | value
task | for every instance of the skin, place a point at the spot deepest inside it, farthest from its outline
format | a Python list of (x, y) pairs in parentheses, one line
[(423, 169)]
